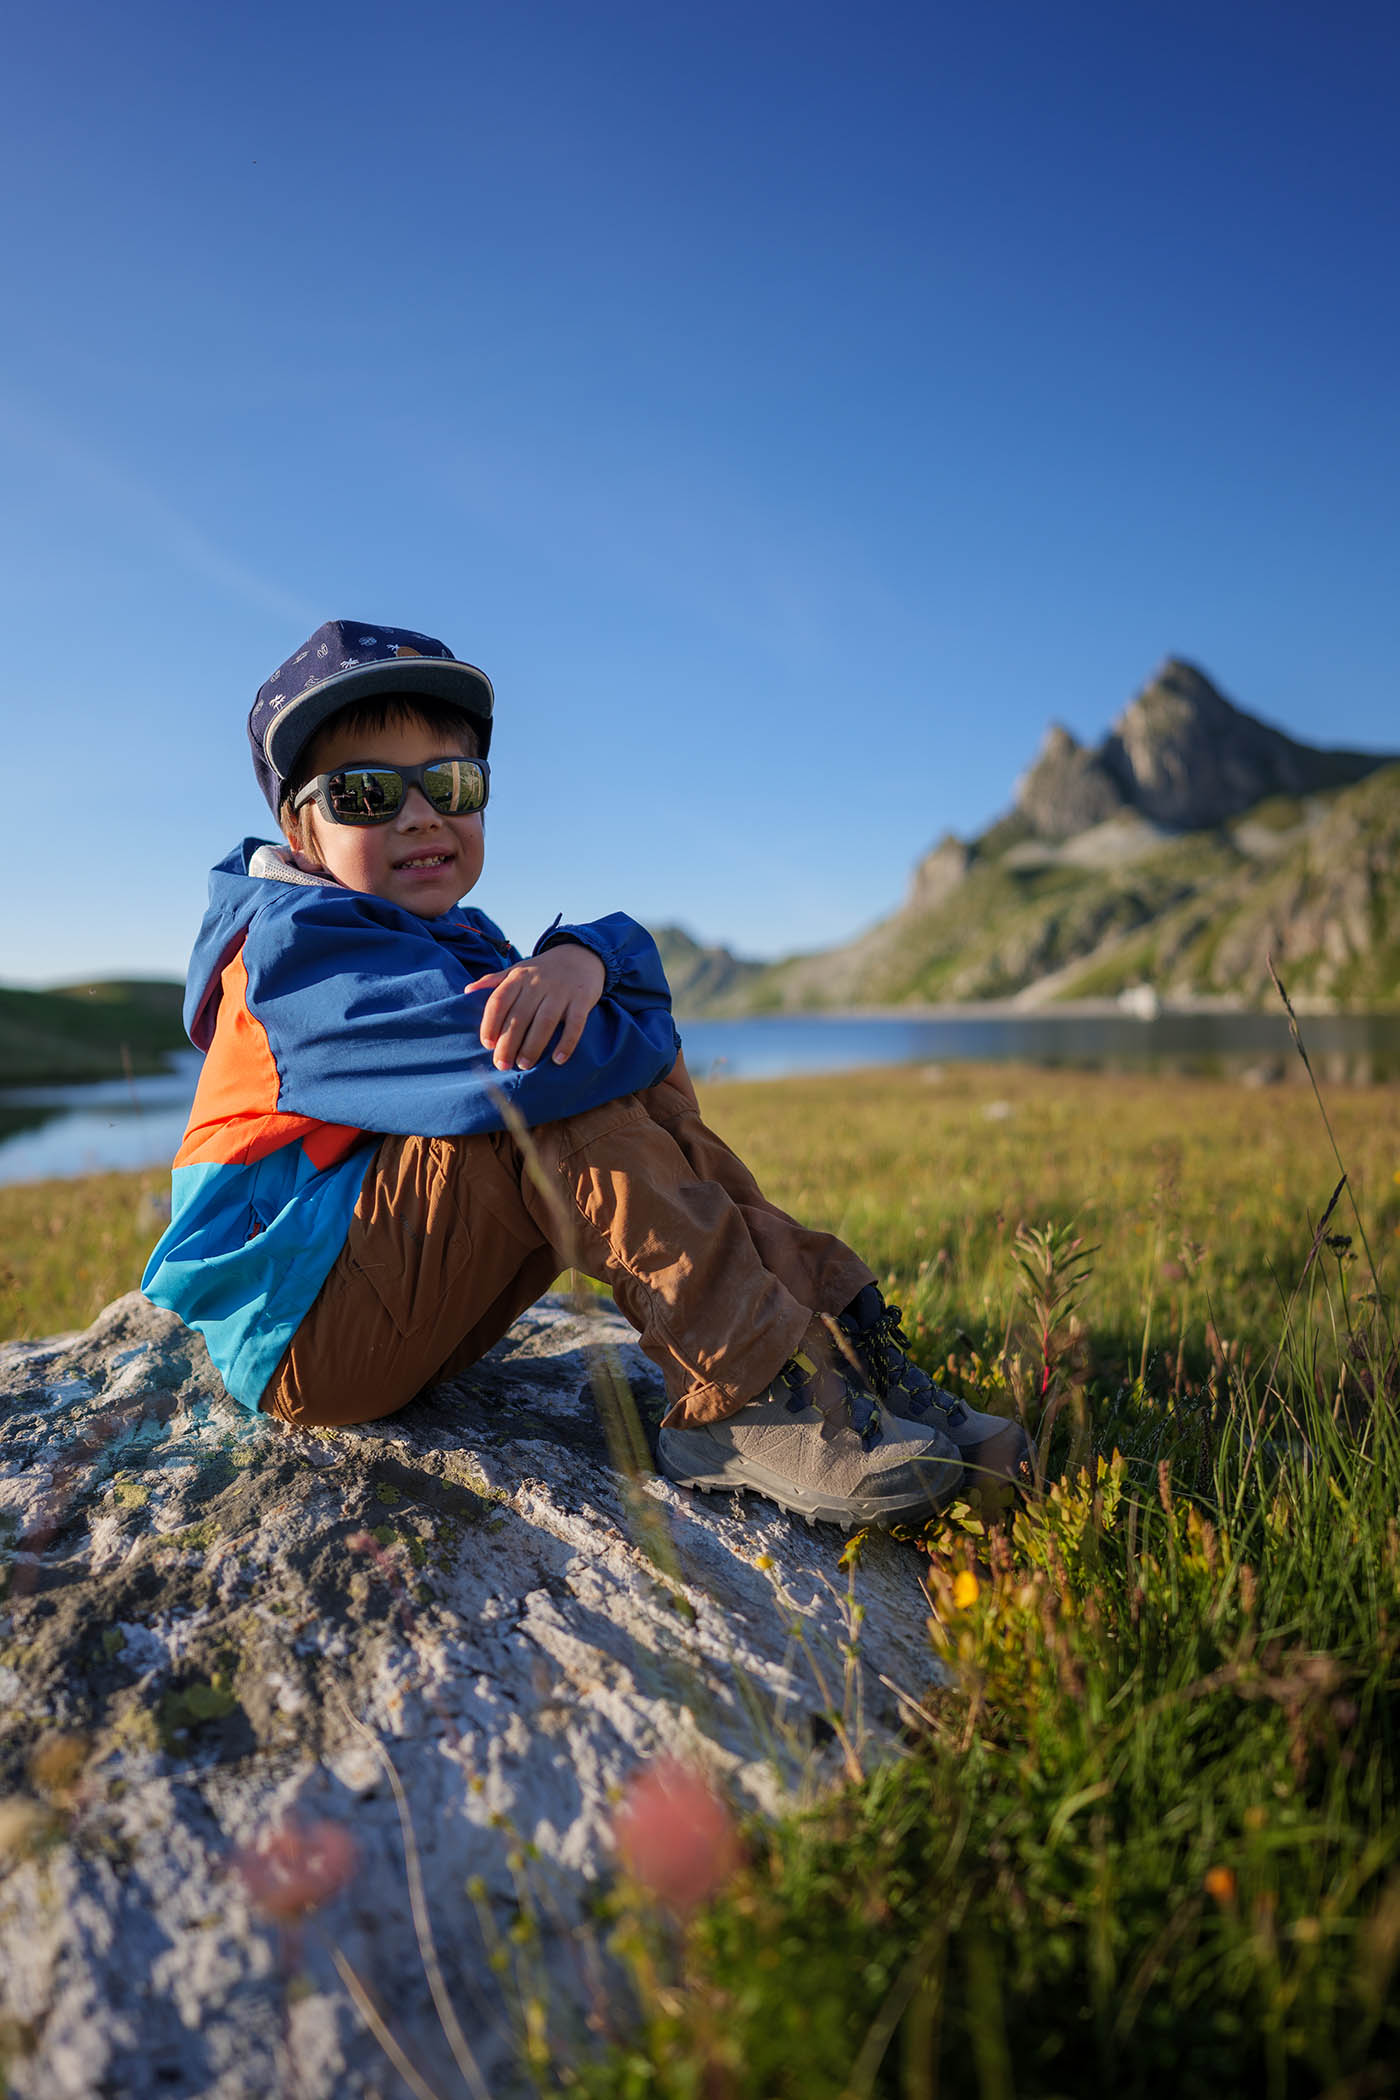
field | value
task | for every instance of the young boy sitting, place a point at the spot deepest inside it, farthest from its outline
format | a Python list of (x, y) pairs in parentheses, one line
[(352, 1217)]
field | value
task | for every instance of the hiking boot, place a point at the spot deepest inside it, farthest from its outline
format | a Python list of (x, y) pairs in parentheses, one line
[(991, 1446), (817, 1443)]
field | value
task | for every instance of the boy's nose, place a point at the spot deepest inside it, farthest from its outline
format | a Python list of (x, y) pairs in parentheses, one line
[(417, 809)]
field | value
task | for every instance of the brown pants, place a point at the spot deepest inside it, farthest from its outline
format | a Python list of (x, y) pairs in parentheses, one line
[(453, 1238)]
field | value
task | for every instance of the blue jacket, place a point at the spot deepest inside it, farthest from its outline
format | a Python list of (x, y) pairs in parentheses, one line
[(330, 1018)]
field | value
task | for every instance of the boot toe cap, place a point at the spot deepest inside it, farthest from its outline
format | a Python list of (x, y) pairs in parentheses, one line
[(993, 1447)]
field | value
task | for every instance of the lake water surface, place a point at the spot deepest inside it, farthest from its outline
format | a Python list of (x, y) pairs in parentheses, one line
[(67, 1130)]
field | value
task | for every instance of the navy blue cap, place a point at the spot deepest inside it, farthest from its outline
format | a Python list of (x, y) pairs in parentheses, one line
[(344, 661)]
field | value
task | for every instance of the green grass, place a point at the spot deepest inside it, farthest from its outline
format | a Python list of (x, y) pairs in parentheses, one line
[(1200, 1194), (1145, 1837), (1146, 1840), (67, 1248)]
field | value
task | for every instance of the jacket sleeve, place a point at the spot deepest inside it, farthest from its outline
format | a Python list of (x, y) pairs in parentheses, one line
[(628, 954), (370, 1024)]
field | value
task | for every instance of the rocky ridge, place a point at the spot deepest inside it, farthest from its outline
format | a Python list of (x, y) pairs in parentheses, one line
[(216, 1627), (1177, 854), (1182, 756)]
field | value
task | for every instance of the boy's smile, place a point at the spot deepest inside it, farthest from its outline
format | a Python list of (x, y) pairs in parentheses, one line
[(418, 859)]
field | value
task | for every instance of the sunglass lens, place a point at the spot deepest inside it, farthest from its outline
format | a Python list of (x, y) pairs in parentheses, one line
[(456, 787), (364, 794)]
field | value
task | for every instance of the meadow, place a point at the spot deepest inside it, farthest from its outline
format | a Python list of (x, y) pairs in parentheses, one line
[(1198, 1194), (1143, 1832)]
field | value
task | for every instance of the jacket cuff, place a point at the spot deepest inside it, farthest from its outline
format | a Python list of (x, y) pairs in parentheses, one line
[(608, 952)]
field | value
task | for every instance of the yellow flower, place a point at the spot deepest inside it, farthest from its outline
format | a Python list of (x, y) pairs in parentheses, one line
[(1220, 1883), (965, 1589)]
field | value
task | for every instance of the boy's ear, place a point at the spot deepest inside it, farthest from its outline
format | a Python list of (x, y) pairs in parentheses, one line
[(297, 833)]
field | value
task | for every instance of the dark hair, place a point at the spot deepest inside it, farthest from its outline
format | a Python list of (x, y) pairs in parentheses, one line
[(367, 718)]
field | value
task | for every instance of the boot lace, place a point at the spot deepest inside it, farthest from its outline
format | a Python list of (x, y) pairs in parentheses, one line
[(896, 1378), (856, 1406)]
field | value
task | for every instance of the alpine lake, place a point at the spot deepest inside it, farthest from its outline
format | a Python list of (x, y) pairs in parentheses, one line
[(70, 1130)]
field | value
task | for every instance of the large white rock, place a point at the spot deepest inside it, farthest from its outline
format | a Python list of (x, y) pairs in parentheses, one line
[(236, 1624)]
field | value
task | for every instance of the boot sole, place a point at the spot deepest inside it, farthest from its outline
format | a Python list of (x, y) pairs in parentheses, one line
[(849, 1511)]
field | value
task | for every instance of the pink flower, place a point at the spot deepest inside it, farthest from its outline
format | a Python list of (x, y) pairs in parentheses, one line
[(675, 1837), (293, 1870)]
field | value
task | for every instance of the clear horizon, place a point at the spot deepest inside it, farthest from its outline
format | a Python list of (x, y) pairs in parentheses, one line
[(793, 412)]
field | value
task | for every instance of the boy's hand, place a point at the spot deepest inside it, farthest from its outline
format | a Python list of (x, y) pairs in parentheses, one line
[(530, 1000)]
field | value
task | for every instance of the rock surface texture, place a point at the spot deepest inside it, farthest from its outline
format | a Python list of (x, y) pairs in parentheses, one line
[(216, 1628)]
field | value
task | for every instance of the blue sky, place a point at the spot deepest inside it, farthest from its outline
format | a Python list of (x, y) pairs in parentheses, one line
[(792, 407)]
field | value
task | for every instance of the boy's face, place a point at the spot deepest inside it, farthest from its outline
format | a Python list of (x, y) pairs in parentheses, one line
[(418, 859)]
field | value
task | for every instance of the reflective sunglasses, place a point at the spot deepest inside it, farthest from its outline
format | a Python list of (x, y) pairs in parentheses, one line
[(370, 794)]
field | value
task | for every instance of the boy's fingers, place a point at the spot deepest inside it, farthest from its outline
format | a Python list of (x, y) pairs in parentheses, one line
[(498, 1008), (502, 1044), (522, 1031), (527, 1005), (511, 1040), (568, 1042), (540, 1032)]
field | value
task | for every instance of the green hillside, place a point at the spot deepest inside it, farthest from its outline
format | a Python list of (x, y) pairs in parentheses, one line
[(704, 979), (1315, 881), (88, 1031)]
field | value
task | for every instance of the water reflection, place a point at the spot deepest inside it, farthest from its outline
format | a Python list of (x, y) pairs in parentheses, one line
[(1362, 1048), (106, 1123), (66, 1130)]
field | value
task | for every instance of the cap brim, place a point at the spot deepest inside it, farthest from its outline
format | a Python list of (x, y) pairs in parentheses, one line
[(441, 677)]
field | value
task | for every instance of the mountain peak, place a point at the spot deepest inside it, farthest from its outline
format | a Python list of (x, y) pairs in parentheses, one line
[(1069, 788), (1180, 754)]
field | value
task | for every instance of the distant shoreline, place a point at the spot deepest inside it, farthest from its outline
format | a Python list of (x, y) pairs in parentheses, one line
[(26, 1068), (1021, 1008)]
